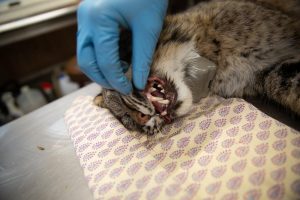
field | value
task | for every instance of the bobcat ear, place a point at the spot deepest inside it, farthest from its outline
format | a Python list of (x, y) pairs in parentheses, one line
[(198, 73)]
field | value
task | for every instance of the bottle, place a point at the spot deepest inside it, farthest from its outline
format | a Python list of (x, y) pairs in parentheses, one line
[(30, 99), (9, 101), (66, 85), (48, 91)]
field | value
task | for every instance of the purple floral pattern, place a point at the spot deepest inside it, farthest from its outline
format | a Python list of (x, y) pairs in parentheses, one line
[(226, 149)]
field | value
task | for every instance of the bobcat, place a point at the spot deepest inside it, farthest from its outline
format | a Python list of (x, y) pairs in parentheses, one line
[(255, 47)]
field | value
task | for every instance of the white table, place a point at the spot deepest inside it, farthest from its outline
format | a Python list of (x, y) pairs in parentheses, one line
[(27, 171)]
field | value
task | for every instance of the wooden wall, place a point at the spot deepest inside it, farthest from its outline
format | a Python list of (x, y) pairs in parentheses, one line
[(22, 59)]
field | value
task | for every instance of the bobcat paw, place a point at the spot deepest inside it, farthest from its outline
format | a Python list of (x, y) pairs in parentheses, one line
[(98, 101)]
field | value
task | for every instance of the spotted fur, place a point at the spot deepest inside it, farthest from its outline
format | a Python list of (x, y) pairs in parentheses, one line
[(245, 40), (255, 46)]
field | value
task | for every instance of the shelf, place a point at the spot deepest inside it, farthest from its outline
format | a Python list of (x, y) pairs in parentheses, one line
[(36, 25)]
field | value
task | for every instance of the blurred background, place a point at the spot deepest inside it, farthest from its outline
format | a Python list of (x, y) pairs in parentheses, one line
[(37, 53)]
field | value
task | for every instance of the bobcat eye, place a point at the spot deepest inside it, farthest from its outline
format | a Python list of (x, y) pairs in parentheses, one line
[(142, 118)]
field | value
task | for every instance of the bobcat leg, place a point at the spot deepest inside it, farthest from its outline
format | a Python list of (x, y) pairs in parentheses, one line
[(233, 78)]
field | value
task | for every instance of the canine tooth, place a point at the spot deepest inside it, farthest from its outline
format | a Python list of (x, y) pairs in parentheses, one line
[(156, 99), (165, 101), (162, 91), (160, 86), (164, 113), (152, 89), (149, 96)]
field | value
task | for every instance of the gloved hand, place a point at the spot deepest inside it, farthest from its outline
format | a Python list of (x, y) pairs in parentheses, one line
[(99, 23)]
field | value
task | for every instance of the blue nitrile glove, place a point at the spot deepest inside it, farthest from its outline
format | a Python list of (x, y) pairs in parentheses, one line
[(99, 23)]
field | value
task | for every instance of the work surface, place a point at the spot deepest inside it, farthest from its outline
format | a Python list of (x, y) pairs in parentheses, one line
[(37, 157)]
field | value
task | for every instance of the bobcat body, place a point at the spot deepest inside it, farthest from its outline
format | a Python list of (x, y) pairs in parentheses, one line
[(256, 50)]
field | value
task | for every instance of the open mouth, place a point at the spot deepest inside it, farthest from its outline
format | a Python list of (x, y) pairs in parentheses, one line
[(160, 94)]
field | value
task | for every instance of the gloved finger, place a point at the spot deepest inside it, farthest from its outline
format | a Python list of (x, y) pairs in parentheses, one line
[(87, 62), (107, 54), (142, 53), (146, 30)]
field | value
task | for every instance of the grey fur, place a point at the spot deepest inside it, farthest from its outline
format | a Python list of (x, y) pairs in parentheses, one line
[(255, 46)]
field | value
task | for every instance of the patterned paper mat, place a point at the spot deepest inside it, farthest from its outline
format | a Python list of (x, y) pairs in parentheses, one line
[(226, 149)]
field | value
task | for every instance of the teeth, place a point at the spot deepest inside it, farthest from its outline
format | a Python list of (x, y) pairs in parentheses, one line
[(152, 89), (164, 113), (153, 98), (149, 96), (159, 99), (160, 86), (162, 91), (165, 101)]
